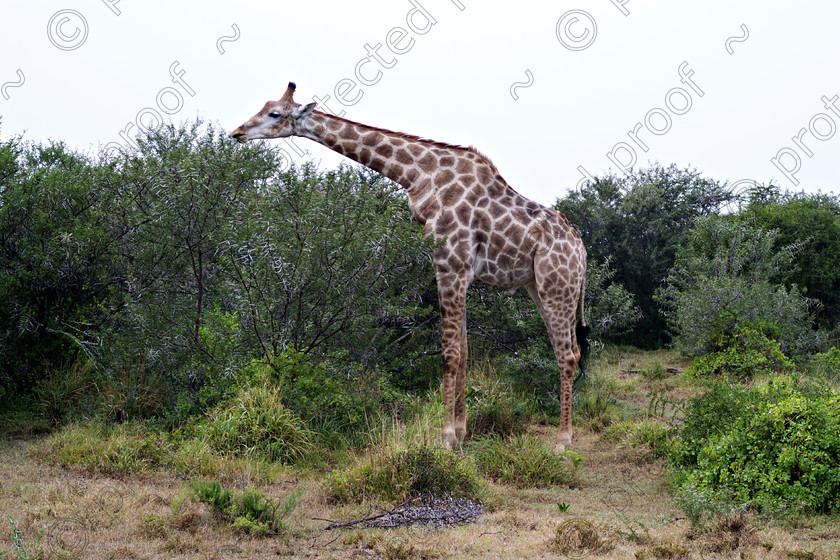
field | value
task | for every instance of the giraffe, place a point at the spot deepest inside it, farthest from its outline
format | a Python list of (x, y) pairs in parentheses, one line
[(485, 231)]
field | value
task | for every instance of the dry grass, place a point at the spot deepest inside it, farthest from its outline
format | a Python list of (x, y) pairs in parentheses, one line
[(619, 508)]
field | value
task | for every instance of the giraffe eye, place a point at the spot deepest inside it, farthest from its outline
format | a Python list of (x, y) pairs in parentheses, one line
[(275, 115)]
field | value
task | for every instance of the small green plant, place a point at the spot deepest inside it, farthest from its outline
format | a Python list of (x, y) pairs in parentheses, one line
[(655, 373), (211, 493), (17, 541), (250, 513), (523, 461), (563, 507)]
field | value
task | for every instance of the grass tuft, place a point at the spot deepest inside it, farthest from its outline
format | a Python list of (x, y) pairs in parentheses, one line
[(400, 474), (579, 537), (255, 422), (524, 461)]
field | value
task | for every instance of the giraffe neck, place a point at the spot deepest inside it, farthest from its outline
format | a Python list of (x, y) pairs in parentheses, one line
[(405, 159), (435, 175)]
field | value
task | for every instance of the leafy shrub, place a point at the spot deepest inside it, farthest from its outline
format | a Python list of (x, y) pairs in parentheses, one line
[(331, 397), (827, 365), (400, 474), (710, 415), (743, 354), (257, 422), (780, 452), (523, 461)]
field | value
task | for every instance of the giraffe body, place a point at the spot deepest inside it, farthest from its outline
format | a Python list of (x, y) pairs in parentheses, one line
[(487, 232)]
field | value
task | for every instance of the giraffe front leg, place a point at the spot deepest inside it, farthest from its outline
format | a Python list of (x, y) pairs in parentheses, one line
[(452, 293)]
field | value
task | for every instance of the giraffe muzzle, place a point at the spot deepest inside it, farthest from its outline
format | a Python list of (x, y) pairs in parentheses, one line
[(239, 136)]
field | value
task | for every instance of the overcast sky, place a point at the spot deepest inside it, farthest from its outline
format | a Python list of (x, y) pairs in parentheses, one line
[(550, 91)]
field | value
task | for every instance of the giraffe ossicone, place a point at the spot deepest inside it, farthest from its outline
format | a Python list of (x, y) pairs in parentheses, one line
[(487, 232)]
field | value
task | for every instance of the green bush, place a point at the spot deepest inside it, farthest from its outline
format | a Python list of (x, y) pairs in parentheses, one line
[(211, 493), (706, 416), (523, 461), (779, 452), (743, 354), (257, 422), (332, 398), (398, 475), (826, 366)]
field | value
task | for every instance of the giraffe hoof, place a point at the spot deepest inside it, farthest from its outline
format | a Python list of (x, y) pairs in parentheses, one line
[(449, 438), (460, 431), (564, 442)]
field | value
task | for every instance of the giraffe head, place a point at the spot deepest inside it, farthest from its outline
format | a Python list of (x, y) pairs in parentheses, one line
[(277, 119)]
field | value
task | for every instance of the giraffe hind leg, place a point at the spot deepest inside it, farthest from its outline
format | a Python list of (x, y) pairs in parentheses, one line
[(460, 403), (558, 316)]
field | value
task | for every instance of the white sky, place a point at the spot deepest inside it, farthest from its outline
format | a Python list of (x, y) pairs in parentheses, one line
[(92, 69)]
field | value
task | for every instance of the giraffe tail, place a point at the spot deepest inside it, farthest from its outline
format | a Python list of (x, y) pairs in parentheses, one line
[(581, 333)]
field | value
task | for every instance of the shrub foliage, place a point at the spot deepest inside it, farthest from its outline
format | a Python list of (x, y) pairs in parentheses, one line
[(770, 447)]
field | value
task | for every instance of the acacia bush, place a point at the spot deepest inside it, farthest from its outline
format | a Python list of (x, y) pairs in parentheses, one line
[(170, 267), (729, 275)]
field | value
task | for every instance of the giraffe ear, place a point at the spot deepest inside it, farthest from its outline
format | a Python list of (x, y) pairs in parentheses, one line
[(304, 110)]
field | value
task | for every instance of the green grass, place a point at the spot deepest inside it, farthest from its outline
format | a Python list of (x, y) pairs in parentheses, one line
[(256, 423), (105, 448), (523, 461), (399, 474)]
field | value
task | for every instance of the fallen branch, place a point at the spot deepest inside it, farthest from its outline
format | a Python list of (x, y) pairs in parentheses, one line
[(368, 517)]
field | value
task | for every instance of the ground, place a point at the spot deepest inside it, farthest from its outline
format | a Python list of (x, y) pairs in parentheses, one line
[(621, 508)]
